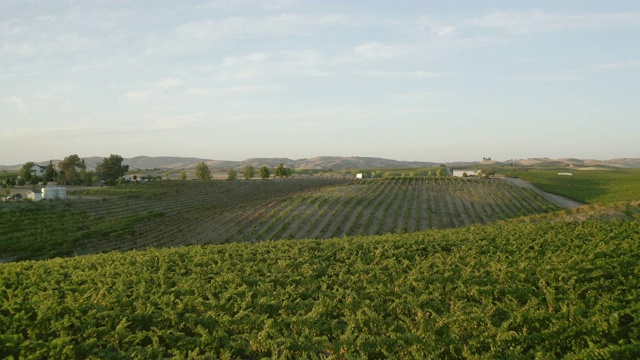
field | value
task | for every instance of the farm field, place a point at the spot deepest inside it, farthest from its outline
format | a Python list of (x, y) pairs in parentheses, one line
[(589, 186), (176, 213), (511, 290)]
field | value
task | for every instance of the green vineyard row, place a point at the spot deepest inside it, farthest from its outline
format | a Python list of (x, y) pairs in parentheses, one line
[(511, 290), (176, 213)]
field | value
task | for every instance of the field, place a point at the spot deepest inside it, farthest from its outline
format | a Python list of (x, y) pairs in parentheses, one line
[(515, 290), (463, 268), (175, 213), (589, 186)]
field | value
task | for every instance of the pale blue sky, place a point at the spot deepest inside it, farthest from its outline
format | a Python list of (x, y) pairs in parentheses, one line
[(408, 80)]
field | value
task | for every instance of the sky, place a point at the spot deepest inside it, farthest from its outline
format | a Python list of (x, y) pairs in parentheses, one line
[(437, 81)]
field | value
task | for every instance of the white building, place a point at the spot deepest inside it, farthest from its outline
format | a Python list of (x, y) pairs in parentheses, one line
[(34, 195), (463, 173), (38, 170), (52, 193)]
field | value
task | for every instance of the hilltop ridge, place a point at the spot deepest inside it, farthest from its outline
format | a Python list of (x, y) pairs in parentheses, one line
[(339, 163)]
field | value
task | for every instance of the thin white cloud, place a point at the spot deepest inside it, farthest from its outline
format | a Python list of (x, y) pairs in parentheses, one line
[(240, 89), (17, 102), (138, 95), (243, 4), (443, 30), (534, 21), (203, 34), (168, 83), (376, 50), (87, 129), (256, 57), (561, 77), (45, 18), (576, 74), (399, 74), (618, 65)]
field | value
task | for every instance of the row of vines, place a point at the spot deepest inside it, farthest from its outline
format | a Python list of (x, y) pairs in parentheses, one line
[(174, 213), (513, 290), (347, 208)]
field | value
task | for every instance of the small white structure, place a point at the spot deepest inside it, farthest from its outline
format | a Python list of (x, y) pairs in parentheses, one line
[(565, 174), (52, 193), (34, 195), (461, 173), (359, 176)]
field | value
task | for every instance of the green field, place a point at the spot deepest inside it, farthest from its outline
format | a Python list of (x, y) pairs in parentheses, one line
[(589, 186), (464, 268), (544, 291), (177, 213)]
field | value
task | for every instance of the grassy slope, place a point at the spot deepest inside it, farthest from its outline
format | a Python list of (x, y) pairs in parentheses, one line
[(511, 291), (589, 186)]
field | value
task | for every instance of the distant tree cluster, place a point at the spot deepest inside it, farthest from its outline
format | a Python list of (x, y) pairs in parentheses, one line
[(111, 169), (264, 172), (203, 171), (72, 170), (282, 171), (249, 172)]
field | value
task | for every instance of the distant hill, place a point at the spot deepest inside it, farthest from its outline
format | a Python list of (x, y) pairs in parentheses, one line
[(334, 163), (627, 162), (578, 163)]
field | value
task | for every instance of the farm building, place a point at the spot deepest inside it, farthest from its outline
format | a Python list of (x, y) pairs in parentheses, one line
[(461, 173), (52, 193), (565, 174), (34, 195), (38, 170)]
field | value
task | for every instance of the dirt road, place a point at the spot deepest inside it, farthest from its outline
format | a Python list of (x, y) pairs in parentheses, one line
[(556, 199)]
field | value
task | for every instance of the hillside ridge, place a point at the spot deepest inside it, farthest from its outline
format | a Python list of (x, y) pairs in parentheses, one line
[(336, 163)]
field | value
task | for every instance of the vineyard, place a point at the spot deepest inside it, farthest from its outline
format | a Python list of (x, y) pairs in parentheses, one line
[(511, 290), (175, 213), (589, 186)]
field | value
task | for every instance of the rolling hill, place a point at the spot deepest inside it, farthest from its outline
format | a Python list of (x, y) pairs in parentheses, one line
[(336, 163)]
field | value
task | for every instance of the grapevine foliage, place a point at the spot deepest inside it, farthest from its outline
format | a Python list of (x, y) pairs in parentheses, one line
[(514, 290)]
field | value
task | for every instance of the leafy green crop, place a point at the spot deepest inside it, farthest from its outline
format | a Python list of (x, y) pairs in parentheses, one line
[(175, 213), (40, 232), (590, 186), (514, 290)]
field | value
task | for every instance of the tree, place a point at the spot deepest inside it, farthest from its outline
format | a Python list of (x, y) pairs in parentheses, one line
[(203, 171), (439, 173), (50, 173), (282, 171), (249, 172), (183, 175), (71, 167), (25, 171), (232, 174), (264, 172), (34, 180), (111, 168)]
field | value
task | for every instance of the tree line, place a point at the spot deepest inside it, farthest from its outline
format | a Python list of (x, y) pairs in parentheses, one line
[(72, 170), (203, 172)]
